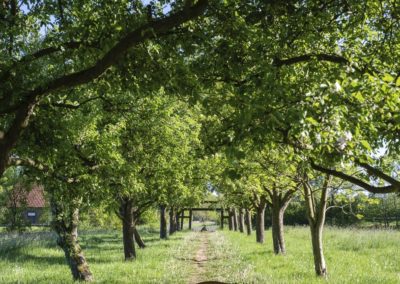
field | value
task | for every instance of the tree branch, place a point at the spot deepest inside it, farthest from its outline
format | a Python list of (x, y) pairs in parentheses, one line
[(308, 57), (374, 171), (356, 181)]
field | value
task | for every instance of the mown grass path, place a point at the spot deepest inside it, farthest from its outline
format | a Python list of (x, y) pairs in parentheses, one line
[(214, 258), (200, 259)]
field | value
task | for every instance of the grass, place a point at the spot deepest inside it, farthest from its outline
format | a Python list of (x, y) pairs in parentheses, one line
[(353, 256), (35, 258)]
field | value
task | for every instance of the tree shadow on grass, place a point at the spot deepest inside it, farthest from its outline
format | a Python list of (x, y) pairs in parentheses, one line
[(20, 257)]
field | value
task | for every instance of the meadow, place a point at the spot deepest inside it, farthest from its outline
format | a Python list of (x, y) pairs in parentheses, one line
[(353, 256)]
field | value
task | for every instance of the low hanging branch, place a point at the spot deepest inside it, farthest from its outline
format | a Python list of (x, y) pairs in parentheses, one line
[(393, 187)]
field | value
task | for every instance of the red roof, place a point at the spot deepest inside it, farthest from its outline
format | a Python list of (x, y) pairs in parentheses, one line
[(35, 198)]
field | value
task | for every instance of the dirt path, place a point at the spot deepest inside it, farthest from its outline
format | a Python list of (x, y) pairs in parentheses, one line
[(200, 259)]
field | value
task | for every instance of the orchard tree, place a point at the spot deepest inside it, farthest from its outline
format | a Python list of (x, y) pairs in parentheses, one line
[(49, 48), (158, 143), (53, 150)]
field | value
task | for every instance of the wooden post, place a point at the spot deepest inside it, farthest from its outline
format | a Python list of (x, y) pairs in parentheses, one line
[(190, 218), (222, 219), (182, 215)]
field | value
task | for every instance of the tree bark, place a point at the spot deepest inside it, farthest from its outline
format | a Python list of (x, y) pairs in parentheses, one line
[(128, 226), (163, 223), (65, 224), (260, 211), (241, 220), (182, 219), (138, 238), (172, 221), (316, 219), (248, 222), (177, 221), (318, 253), (221, 225), (279, 203), (235, 219), (277, 229), (230, 219)]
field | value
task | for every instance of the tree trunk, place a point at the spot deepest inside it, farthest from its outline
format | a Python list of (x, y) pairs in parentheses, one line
[(163, 223), (126, 214), (319, 258), (177, 222), (260, 210), (277, 229), (248, 222), (241, 220), (221, 225), (182, 218), (279, 203), (235, 219), (230, 219), (138, 238), (65, 224), (316, 219), (172, 224)]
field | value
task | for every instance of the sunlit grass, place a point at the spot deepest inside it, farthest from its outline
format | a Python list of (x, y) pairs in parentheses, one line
[(353, 256), (32, 259)]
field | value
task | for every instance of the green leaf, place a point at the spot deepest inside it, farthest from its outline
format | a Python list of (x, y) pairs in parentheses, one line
[(359, 96), (312, 121), (388, 78), (366, 145)]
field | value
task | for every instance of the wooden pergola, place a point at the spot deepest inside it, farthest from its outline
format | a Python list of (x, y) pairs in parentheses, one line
[(182, 215)]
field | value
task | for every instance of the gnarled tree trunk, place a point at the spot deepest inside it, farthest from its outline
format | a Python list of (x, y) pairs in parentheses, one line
[(279, 203), (248, 222), (65, 224), (316, 219), (260, 211), (163, 223), (277, 229), (128, 226)]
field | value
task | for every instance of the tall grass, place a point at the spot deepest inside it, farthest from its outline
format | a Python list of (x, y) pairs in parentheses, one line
[(352, 255)]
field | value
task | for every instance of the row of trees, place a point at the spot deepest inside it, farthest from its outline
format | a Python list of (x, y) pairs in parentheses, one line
[(132, 106)]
